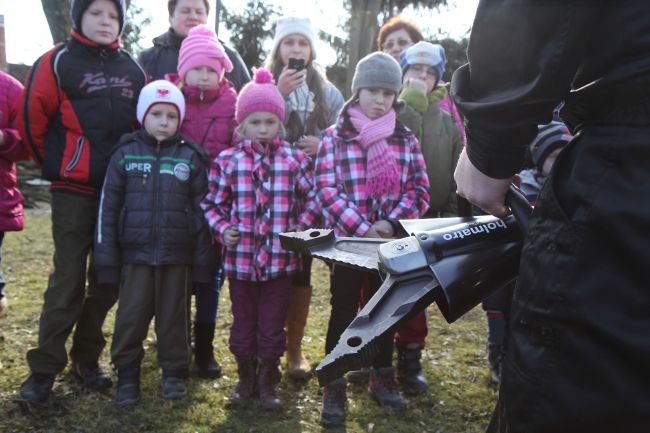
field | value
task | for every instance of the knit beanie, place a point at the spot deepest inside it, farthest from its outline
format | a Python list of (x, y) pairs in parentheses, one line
[(378, 70), (260, 94), (202, 48), (160, 92), (293, 25), (425, 53), (78, 7), (554, 135)]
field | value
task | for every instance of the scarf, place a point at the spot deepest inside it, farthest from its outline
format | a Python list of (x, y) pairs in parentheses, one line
[(382, 176)]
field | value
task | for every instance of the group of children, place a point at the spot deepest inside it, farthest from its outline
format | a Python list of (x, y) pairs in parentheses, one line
[(202, 190)]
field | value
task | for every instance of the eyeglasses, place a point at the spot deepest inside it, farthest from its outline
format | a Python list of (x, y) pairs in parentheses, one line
[(402, 43), (419, 69)]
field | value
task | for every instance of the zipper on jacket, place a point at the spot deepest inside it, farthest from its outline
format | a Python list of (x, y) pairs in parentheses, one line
[(75, 157), (201, 96), (155, 206), (144, 178)]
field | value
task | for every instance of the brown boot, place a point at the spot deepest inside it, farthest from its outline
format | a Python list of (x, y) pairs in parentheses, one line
[(245, 388), (267, 381), (297, 366)]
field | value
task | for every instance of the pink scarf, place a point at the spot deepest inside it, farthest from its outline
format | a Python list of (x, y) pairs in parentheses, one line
[(382, 175)]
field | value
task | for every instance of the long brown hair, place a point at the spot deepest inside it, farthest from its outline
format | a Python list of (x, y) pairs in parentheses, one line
[(319, 118)]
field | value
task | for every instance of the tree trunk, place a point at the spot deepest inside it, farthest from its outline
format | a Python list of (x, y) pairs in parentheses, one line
[(57, 13), (363, 32)]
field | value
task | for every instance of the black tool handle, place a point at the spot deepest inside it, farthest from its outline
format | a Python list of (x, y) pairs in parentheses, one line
[(520, 207), (515, 200)]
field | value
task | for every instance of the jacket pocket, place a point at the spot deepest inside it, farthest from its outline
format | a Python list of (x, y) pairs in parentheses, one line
[(75, 152)]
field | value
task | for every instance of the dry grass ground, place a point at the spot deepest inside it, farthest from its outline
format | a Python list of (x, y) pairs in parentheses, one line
[(460, 399)]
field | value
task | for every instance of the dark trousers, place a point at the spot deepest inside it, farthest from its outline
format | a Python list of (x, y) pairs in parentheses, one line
[(345, 286), (68, 300), (259, 310), (147, 291), (579, 339)]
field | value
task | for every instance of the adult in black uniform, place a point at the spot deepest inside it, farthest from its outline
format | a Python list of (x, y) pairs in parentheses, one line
[(579, 347)]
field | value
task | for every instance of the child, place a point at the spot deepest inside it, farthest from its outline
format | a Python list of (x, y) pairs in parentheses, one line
[(151, 226), (369, 174), (209, 121), (256, 191), (423, 65), (11, 150), (311, 105), (80, 98)]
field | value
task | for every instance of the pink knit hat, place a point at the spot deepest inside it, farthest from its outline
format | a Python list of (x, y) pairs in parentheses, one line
[(260, 95), (202, 48)]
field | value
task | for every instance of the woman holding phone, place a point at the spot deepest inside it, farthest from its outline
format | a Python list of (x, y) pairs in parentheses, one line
[(311, 105)]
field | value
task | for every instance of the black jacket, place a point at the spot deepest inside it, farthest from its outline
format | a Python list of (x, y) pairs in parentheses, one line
[(527, 56), (162, 59), (149, 209), (79, 99)]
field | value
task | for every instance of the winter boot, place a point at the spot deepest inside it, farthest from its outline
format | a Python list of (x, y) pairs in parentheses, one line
[(334, 401), (267, 381), (409, 369), (128, 386), (245, 388), (173, 384), (297, 366), (204, 351), (384, 389), (494, 353), (36, 388), (92, 375)]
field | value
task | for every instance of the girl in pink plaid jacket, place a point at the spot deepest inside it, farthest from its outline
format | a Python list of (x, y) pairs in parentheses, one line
[(256, 191)]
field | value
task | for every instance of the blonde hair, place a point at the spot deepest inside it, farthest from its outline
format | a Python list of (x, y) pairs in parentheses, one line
[(240, 134)]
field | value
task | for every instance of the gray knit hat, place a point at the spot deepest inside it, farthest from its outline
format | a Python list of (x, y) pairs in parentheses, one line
[(378, 70)]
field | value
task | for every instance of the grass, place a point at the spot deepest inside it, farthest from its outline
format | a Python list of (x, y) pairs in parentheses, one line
[(460, 398)]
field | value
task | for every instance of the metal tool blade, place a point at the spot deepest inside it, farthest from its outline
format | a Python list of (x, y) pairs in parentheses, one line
[(357, 253), (398, 299)]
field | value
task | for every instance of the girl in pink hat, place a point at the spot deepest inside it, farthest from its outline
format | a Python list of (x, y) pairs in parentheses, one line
[(256, 191), (209, 121)]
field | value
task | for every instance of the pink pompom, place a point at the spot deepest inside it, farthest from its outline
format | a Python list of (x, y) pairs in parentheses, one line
[(262, 76)]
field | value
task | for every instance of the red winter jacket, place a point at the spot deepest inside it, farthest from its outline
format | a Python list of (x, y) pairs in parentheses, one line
[(11, 200)]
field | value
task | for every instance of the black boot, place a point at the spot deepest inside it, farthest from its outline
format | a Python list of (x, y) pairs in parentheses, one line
[(267, 379), (204, 351), (409, 370), (36, 388), (245, 388), (128, 386), (334, 402)]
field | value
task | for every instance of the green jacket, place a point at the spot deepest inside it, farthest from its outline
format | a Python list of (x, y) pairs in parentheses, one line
[(441, 146)]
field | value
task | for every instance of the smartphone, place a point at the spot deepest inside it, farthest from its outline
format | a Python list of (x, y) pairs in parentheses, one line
[(297, 64)]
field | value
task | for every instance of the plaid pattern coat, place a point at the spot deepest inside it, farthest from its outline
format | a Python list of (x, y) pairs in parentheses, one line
[(340, 180), (260, 190)]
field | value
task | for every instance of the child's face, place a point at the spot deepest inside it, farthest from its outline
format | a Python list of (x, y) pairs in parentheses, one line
[(187, 14), (294, 46), (549, 161), (375, 101), (101, 22), (261, 126), (161, 121), (204, 77), (425, 73)]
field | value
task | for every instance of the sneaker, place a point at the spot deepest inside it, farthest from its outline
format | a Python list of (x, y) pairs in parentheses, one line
[(128, 387), (359, 376), (36, 388), (93, 377), (409, 370), (383, 388), (3, 305), (173, 387), (334, 401)]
